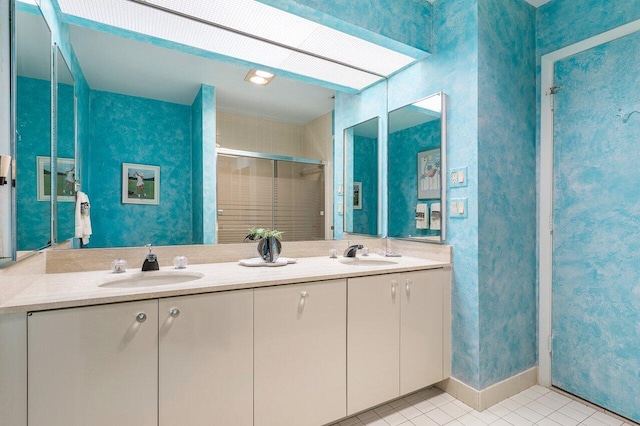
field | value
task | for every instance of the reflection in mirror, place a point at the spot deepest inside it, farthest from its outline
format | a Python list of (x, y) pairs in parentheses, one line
[(286, 194), (417, 147), (33, 127), (361, 178), (66, 141)]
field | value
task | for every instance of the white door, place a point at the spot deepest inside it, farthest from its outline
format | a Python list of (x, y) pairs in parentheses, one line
[(421, 329), (373, 346), (300, 354), (94, 366), (596, 232), (206, 359)]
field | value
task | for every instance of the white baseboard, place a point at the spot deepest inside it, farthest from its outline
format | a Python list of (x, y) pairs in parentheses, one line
[(485, 398)]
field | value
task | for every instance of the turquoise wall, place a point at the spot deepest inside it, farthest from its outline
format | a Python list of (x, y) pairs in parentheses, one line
[(196, 168), (203, 166), (365, 170), (506, 189), (127, 129), (34, 125), (373, 20), (404, 146)]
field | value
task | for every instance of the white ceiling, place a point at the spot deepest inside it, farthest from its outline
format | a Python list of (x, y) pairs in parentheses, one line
[(115, 64), (537, 3)]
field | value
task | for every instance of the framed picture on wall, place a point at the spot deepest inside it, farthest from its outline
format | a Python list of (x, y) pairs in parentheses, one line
[(429, 174), (65, 179), (140, 184), (357, 195)]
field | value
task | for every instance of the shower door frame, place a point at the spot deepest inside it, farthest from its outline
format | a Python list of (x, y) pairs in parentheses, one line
[(545, 205)]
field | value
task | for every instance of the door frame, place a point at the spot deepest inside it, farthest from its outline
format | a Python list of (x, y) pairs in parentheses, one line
[(545, 205)]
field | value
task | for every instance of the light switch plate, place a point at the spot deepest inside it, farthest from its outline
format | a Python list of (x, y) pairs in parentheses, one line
[(458, 177), (458, 208)]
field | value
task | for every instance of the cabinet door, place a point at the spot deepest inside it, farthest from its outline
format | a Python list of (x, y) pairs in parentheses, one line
[(421, 329), (373, 341), (94, 366), (206, 359), (300, 346)]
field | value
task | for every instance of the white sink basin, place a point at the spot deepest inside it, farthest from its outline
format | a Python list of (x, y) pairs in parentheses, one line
[(152, 278), (360, 261)]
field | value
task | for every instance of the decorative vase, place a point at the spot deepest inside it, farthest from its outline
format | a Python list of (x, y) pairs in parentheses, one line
[(269, 249)]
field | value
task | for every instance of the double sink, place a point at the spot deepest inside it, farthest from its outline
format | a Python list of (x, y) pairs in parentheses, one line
[(169, 277)]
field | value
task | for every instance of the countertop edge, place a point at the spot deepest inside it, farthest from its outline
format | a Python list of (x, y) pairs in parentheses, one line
[(15, 305)]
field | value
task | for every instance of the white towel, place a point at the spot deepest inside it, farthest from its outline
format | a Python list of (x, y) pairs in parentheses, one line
[(83, 219)]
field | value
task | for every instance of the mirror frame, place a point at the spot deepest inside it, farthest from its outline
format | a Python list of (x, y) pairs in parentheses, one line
[(444, 168)]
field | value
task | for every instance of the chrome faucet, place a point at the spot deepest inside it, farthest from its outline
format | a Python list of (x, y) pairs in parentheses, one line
[(352, 250), (151, 261)]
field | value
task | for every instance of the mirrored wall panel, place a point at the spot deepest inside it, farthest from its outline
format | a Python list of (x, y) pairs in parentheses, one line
[(66, 147), (33, 131), (361, 189), (417, 169)]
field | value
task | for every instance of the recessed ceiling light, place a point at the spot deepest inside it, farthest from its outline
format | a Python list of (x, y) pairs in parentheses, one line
[(263, 74), (259, 77)]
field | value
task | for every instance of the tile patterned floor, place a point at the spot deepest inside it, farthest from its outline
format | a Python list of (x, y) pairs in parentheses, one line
[(534, 406)]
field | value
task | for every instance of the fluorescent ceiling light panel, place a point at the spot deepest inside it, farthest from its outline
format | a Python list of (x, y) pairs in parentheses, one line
[(259, 20), (33, 2)]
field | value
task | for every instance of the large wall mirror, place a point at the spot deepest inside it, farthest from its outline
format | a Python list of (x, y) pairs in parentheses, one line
[(33, 129), (361, 177), (417, 170), (152, 110), (65, 113)]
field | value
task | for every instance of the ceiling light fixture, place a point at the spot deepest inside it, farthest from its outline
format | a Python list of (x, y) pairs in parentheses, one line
[(259, 77)]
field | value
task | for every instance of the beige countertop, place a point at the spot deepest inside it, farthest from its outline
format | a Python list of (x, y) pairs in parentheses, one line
[(63, 290)]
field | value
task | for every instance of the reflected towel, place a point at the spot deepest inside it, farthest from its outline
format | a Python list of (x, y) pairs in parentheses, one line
[(83, 219)]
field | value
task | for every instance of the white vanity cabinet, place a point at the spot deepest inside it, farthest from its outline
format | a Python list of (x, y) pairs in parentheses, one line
[(397, 342), (300, 347), (94, 365), (206, 359), (182, 360)]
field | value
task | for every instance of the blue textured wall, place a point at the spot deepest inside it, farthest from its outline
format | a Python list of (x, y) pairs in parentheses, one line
[(404, 146), (196, 168), (506, 189), (365, 170), (127, 129), (596, 299), (203, 163), (34, 125), (372, 20)]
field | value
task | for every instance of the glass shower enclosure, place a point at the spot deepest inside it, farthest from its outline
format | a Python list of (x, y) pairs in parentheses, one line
[(269, 191)]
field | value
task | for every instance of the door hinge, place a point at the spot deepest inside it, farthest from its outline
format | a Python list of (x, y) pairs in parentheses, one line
[(551, 92), (550, 343), (551, 224)]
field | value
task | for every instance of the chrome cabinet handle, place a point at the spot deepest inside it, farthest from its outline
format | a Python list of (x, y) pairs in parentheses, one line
[(407, 286), (394, 285), (174, 313), (141, 317), (304, 294)]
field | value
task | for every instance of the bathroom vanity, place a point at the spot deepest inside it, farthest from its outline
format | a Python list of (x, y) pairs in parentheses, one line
[(304, 344)]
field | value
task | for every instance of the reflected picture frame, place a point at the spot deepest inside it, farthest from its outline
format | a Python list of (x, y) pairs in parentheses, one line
[(429, 174), (65, 187), (140, 184), (357, 195)]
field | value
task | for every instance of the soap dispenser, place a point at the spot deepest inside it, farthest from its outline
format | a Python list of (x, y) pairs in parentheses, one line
[(151, 261)]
